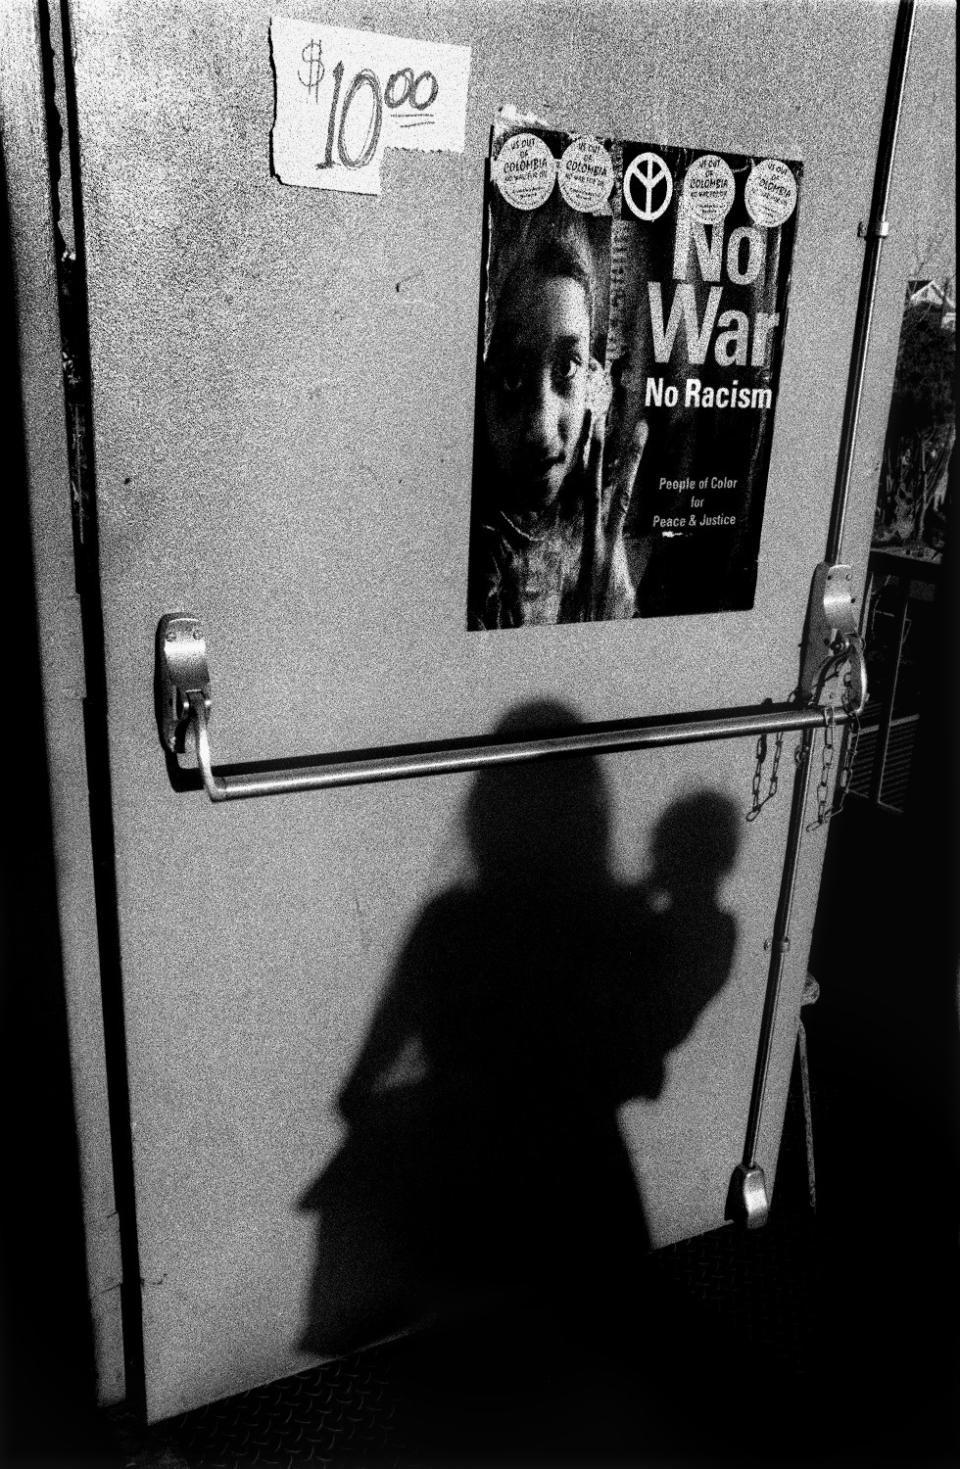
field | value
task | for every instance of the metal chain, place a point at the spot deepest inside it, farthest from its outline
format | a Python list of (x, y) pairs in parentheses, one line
[(845, 771), (845, 768), (758, 804), (826, 765), (775, 768)]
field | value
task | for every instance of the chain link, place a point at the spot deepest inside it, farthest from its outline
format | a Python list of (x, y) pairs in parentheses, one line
[(852, 739), (826, 765), (758, 803), (775, 768), (844, 770)]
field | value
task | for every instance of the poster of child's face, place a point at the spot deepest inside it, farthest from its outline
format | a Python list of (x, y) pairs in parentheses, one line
[(541, 401), (634, 316), (535, 384)]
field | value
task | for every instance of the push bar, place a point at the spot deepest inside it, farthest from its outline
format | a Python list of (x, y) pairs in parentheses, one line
[(453, 760), (184, 705)]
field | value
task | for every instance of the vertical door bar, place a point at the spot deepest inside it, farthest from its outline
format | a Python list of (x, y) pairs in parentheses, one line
[(875, 232), (748, 1195)]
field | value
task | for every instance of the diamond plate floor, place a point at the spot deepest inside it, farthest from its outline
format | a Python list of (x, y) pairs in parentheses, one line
[(739, 1304), (724, 1308)]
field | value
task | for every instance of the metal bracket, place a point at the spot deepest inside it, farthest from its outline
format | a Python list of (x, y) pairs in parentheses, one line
[(181, 670), (831, 641), (874, 231), (747, 1201)]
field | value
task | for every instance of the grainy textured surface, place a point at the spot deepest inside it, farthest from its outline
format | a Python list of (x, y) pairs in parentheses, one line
[(283, 397)]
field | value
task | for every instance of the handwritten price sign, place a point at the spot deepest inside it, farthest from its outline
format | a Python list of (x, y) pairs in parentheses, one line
[(343, 96)]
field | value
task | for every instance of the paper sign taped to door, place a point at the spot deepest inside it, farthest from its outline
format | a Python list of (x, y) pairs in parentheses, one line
[(343, 96)]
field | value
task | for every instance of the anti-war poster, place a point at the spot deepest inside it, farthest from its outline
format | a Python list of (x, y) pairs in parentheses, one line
[(634, 318)]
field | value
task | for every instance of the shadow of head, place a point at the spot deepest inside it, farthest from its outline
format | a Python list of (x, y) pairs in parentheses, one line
[(694, 845), (541, 827)]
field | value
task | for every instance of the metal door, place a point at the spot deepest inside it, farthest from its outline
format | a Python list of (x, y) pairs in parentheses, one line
[(281, 389)]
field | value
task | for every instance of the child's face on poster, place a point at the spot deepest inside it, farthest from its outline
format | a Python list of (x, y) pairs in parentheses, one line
[(536, 388)]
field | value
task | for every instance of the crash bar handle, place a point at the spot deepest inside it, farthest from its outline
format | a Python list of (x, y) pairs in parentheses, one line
[(184, 706), (450, 761)]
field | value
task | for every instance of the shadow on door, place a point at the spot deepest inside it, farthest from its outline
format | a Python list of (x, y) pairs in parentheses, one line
[(483, 1172)]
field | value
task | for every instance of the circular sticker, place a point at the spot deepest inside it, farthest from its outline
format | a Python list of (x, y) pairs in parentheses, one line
[(708, 188), (585, 175), (647, 186), (524, 171), (771, 192)]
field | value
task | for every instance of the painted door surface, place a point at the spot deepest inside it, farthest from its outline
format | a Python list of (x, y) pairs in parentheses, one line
[(283, 414)]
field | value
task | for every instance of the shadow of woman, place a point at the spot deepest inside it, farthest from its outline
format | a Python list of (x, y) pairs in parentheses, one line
[(484, 1175)]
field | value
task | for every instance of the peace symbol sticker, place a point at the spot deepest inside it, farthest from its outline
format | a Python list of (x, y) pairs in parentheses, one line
[(650, 178)]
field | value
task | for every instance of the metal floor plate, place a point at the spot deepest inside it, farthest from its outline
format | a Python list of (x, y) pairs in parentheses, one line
[(725, 1307), (732, 1298)]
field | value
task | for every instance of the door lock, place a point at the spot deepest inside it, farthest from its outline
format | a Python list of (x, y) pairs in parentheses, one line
[(832, 643)]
